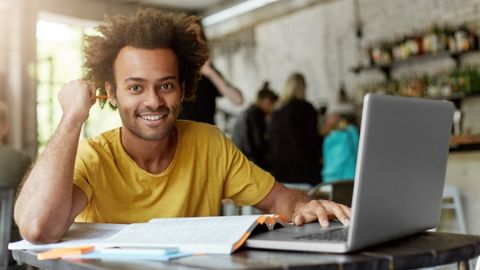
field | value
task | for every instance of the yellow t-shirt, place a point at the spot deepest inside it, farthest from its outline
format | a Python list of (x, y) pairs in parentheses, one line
[(206, 168)]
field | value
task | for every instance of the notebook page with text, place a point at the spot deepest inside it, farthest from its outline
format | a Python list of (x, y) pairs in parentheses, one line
[(200, 234)]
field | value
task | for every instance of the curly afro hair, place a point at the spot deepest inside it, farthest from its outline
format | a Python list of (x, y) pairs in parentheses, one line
[(148, 29)]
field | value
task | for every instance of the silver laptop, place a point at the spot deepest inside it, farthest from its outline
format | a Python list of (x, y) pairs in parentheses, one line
[(400, 175)]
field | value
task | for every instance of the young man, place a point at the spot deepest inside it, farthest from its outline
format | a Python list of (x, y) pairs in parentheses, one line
[(154, 165)]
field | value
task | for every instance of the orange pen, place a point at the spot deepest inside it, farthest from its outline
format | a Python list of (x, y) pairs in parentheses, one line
[(102, 97)]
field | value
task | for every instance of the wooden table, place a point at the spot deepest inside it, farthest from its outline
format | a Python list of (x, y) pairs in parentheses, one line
[(421, 250)]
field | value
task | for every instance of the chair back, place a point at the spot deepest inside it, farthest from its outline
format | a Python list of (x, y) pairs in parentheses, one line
[(6, 212), (339, 192)]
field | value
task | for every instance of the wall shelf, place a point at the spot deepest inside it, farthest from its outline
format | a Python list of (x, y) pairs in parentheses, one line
[(465, 143), (387, 68)]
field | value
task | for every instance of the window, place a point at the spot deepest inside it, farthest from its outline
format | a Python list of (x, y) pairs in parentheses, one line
[(59, 60)]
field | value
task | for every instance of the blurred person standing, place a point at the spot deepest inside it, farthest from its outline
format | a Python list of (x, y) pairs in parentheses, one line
[(295, 142), (250, 130), (340, 144), (210, 86)]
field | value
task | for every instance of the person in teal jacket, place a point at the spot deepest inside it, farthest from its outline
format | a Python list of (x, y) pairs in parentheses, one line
[(340, 147)]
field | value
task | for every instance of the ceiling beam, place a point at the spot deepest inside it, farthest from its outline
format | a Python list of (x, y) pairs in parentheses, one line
[(254, 17)]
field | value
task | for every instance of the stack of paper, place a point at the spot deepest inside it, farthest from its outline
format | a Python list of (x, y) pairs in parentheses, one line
[(159, 239)]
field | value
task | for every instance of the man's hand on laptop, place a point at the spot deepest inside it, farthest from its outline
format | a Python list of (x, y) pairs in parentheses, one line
[(321, 210)]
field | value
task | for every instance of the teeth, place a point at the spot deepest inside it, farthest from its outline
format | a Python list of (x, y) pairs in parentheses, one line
[(151, 117)]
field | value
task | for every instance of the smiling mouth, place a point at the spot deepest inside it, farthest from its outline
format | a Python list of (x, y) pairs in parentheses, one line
[(155, 117)]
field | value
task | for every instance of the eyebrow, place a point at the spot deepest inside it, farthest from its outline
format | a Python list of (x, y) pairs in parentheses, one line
[(138, 79)]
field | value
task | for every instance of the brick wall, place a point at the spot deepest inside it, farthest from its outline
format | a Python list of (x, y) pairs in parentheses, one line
[(320, 42)]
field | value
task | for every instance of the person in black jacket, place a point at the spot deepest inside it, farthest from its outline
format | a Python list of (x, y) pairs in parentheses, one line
[(250, 129), (211, 85), (295, 142)]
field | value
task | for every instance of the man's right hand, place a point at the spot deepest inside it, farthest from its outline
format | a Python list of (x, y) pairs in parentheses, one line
[(76, 98), (49, 201)]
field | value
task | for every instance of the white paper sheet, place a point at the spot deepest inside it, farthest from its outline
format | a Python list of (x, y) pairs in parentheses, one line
[(79, 234)]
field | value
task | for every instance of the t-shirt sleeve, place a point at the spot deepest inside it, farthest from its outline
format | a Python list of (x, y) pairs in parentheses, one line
[(245, 183), (80, 174)]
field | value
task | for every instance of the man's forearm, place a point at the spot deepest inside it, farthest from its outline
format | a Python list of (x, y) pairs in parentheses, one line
[(293, 200), (283, 201), (43, 208)]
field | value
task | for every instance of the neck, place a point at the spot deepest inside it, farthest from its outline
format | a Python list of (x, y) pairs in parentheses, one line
[(152, 156)]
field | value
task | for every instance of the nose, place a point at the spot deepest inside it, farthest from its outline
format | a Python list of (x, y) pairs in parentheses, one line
[(153, 100)]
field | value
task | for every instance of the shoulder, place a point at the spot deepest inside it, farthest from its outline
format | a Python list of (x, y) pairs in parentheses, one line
[(254, 112), (196, 130), (352, 128), (306, 105), (100, 143), (337, 136)]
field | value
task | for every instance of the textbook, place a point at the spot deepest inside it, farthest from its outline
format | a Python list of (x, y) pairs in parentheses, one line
[(214, 235)]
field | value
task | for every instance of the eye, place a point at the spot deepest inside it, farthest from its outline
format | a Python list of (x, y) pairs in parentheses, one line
[(166, 86), (135, 88)]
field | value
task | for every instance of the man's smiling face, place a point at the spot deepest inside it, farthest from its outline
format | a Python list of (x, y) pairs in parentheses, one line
[(148, 91)]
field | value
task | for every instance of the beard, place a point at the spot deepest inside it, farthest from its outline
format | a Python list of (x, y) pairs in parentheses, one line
[(135, 125)]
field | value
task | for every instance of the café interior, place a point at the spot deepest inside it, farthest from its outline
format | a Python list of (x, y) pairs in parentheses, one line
[(344, 49)]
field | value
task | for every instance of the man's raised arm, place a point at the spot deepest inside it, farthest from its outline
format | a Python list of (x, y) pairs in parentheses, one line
[(49, 201)]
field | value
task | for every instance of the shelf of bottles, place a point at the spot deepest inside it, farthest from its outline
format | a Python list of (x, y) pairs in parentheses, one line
[(453, 85), (437, 41)]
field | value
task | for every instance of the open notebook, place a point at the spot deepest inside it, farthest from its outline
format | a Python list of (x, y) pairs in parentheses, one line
[(216, 235)]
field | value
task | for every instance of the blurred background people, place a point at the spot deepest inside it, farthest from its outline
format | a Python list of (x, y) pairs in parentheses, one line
[(13, 165), (294, 139), (250, 130), (210, 86), (340, 144)]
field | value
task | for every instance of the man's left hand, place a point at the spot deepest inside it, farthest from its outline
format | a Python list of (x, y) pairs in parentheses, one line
[(321, 210)]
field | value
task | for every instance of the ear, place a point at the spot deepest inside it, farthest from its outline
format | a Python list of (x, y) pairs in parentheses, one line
[(112, 98)]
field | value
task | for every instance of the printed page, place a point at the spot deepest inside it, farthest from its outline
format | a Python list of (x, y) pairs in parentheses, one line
[(201, 234), (79, 234)]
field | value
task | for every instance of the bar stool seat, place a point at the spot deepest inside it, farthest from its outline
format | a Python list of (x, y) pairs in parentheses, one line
[(452, 200)]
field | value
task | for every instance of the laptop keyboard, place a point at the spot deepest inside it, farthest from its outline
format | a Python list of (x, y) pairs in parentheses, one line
[(340, 234)]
